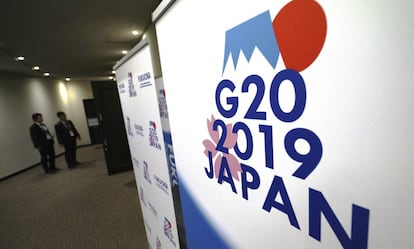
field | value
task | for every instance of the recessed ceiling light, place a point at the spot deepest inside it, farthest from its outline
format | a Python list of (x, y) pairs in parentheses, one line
[(135, 32), (67, 78), (36, 68), (111, 77), (124, 52), (113, 72), (20, 58), (46, 74)]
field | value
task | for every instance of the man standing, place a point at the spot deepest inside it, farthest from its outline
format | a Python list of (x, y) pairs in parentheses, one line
[(66, 134), (43, 141)]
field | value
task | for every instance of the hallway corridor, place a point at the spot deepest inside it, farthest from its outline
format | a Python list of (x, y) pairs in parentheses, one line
[(80, 208)]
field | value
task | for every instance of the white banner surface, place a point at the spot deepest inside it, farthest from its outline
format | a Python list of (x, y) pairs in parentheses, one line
[(292, 121)]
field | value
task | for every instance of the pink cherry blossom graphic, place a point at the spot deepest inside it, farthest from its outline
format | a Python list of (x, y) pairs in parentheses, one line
[(229, 143)]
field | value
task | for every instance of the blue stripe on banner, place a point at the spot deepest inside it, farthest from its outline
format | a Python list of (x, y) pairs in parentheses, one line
[(199, 231), (169, 151)]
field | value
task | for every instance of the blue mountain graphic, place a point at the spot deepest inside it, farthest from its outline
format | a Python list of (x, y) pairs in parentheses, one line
[(255, 32)]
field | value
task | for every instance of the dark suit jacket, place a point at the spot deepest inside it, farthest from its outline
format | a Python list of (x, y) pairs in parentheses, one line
[(39, 137), (63, 134)]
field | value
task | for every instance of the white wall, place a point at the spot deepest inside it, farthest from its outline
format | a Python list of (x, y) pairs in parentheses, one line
[(20, 97)]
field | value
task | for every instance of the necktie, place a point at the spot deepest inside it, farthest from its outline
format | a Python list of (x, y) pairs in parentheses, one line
[(46, 131), (67, 126)]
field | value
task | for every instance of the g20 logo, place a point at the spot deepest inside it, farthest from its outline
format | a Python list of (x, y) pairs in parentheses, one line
[(298, 34)]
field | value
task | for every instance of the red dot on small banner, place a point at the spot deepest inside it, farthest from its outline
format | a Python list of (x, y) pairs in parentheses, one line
[(300, 29)]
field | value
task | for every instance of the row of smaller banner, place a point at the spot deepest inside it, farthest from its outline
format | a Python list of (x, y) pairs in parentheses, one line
[(146, 121)]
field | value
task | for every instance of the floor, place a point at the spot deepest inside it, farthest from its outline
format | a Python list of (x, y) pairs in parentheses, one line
[(74, 208)]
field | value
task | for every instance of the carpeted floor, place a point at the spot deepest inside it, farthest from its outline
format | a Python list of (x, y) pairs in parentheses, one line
[(81, 208)]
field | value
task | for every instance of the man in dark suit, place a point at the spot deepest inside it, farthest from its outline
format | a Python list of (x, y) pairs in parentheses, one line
[(43, 141), (67, 134)]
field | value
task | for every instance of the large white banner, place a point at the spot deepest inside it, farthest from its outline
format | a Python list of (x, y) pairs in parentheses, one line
[(292, 121), (139, 100)]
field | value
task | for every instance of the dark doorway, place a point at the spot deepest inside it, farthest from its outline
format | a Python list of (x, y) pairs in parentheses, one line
[(93, 121), (111, 121)]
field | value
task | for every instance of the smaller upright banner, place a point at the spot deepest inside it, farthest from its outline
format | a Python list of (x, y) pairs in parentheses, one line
[(140, 106)]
